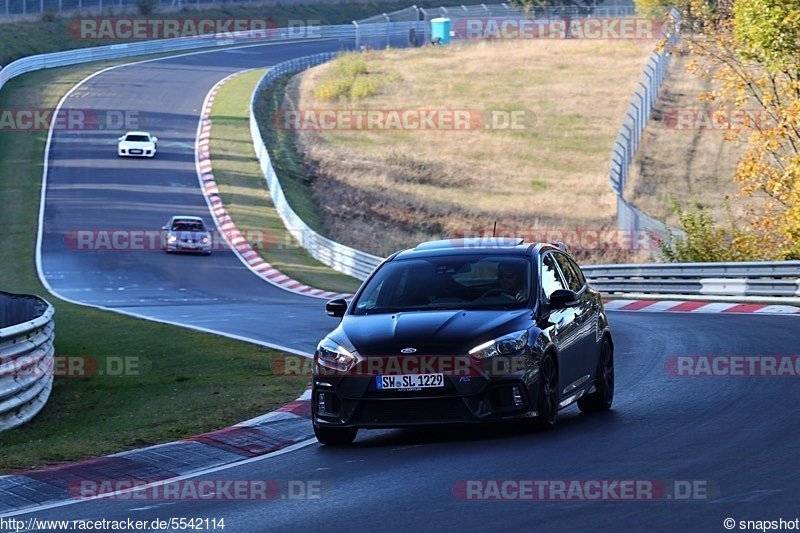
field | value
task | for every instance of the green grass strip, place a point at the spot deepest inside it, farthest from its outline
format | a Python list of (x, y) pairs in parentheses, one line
[(245, 194)]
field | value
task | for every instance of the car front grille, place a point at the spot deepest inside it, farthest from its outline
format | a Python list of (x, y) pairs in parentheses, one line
[(422, 410)]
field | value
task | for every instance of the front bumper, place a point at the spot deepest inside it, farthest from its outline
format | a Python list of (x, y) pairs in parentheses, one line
[(481, 400), (179, 246), (136, 152)]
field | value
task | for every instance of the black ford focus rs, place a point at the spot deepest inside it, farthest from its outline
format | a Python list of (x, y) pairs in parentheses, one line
[(463, 331)]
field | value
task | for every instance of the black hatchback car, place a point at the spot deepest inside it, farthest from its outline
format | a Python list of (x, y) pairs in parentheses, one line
[(462, 331)]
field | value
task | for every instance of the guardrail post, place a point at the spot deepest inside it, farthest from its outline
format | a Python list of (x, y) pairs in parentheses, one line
[(358, 36)]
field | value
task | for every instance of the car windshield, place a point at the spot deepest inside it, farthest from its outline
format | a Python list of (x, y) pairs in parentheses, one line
[(471, 281), (137, 138), (188, 225)]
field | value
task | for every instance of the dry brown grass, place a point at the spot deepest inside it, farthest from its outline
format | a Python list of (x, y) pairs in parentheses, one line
[(693, 166), (383, 190)]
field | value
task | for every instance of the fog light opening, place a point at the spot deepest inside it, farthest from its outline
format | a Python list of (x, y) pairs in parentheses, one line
[(517, 395), (322, 402)]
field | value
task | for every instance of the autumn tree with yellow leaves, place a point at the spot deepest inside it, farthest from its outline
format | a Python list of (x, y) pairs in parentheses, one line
[(751, 51)]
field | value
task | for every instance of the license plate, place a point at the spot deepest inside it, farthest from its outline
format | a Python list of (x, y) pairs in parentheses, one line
[(136, 152), (409, 381)]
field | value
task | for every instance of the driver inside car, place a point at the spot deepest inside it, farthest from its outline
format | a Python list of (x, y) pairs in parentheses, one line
[(511, 279)]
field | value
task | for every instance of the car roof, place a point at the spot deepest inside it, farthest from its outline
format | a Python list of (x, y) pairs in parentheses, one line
[(477, 245), (187, 217), (137, 133)]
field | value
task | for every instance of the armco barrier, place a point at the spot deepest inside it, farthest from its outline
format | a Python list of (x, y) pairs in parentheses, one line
[(335, 255), (347, 260), (26, 357), (770, 280), (746, 280), (395, 31)]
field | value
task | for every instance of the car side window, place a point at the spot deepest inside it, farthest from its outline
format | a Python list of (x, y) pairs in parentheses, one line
[(551, 279), (578, 271), (573, 280)]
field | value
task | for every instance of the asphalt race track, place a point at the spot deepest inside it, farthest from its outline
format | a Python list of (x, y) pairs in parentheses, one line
[(89, 188), (736, 437)]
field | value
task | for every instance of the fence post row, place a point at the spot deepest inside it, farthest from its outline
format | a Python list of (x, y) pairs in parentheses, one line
[(629, 218)]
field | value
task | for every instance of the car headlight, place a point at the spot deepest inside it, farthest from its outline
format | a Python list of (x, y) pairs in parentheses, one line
[(505, 345), (206, 240), (171, 238), (123, 147), (332, 355)]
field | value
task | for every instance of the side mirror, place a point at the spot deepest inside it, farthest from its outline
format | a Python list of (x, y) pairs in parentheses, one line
[(154, 139), (563, 298), (164, 228), (336, 308), (120, 138)]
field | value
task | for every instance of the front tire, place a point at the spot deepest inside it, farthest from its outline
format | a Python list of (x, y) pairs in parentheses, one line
[(602, 398), (547, 399), (335, 436)]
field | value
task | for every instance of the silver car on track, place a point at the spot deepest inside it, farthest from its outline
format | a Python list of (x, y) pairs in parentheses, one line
[(185, 233)]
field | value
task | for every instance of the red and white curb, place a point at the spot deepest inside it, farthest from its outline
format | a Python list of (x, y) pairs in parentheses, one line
[(277, 432), (663, 306), (246, 254)]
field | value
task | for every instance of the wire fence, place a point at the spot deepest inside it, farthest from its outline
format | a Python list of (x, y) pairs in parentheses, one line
[(419, 19), (636, 116), (13, 9)]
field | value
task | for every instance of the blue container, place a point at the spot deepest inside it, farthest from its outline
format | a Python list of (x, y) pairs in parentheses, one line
[(440, 29)]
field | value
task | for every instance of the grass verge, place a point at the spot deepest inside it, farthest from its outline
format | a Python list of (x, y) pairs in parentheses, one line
[(246, 196), (296, 179), (684, 156), (543, 115), (188, 382)]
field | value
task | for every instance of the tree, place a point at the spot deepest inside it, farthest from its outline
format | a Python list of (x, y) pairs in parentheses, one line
[(657, 8), (755, 60)]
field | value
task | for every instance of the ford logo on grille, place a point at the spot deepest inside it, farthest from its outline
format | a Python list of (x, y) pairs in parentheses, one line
[(408, 350)]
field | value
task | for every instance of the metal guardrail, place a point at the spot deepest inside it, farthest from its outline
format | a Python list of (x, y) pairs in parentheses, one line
[(742, 279), (637, 115), (378, 33), (26, 357), (756, 279), (11, 9), (347, 260)]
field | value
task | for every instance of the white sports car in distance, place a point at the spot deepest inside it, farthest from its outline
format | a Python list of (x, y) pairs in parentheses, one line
[(137, 144)]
